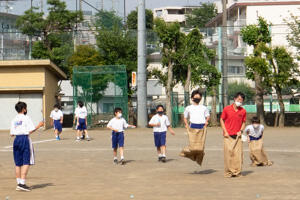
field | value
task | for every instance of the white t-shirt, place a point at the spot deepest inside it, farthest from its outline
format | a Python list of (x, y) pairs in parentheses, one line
[(163, 120), (254, 132), (81, 112), (196, 113), (56, 115), (21, 125), (118, 123)]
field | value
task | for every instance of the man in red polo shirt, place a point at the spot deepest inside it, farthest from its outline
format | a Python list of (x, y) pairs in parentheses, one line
[(233, 120)]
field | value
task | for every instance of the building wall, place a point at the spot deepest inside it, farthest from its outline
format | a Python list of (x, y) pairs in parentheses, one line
[(277, 16), (49, 94), (21, 77)]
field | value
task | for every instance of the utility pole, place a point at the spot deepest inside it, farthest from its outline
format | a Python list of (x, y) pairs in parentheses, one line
[(141, 71), (224, 55), (124, 12)]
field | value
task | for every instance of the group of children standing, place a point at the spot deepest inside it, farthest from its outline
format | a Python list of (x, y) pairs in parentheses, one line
[(196, 117)]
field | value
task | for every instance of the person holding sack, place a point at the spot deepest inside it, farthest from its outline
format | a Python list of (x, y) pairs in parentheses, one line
[(255, 140), (198, 117), (233, 120)]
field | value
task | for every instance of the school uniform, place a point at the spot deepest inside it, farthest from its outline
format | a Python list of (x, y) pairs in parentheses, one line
[(233, 148), (257, 153), (56, 116), (160, 133), (81, 113), (117, 138), (197, 115), (23, 152)]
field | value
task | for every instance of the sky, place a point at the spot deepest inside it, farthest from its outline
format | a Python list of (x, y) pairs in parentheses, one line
[(19, 6)]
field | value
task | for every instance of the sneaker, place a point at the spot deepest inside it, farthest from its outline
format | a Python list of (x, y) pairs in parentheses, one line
[(77, 140), (23, 188), (116, 161), (159, 159), (88, 139), (57, 138), (122, 162), (163, 159), (82, 137)]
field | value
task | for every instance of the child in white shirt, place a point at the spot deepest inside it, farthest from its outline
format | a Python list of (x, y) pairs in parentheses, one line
[(160, 124), (57, 121), (117, 125)]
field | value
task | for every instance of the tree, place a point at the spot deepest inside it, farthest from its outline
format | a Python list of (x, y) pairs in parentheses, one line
[(85, 55), (272, 67), (132, 19), (118, 47), (107, 20), (171, 39), (200, 16), (257, 36), (235, 87), (53, 33), (294, 36), (193, 66)]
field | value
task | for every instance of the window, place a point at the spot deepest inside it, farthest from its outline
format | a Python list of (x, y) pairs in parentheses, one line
[(235, 70)]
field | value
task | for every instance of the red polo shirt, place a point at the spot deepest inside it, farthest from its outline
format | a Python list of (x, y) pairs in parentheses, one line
[(233, 119)]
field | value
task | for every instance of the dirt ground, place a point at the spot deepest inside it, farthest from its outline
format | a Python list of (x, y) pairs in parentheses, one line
[(84, 170)]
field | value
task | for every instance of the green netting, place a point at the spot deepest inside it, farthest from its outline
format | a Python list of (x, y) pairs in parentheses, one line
[(101, 88)]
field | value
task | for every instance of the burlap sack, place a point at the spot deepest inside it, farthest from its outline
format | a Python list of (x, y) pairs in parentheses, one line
[(195, 149), (257, 153), (233, 156)]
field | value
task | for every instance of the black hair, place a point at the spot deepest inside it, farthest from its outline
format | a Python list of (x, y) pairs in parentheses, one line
[(56, 106), (80, 103), (195, 92), (242, 95), (160, 106), (255, 120), (20, 106), (117, 110)]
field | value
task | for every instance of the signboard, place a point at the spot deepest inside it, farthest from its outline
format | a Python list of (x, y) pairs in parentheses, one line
[(133, 79)]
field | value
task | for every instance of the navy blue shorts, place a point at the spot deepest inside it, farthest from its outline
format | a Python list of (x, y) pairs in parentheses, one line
[(197, 126), (160, 138), (57, 125), (117, 139), (23, 151), (81, 124), (254, 138)]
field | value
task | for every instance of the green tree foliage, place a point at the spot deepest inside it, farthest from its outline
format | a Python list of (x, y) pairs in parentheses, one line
[(55, 32), (200, 16), (257, 36), (118, 47), (235, 87), (108, 20), (275, 66), (294, 36), (132, 19), (85, 55)]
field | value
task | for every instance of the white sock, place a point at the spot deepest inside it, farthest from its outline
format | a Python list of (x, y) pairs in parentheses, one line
[(163, 155), (22, 181), (160, 155), (18, 180), (115, 158), (78, 138), (122, 157)]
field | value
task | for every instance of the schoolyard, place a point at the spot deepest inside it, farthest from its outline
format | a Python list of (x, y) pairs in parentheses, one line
[(84, 170)]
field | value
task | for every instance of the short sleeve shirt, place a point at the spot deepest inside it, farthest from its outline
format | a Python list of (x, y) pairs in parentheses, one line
[(21, 125), (118, 124), (56, 115), (233, 119), (197, 114), (255, 132), (81, 112), (163, 120)]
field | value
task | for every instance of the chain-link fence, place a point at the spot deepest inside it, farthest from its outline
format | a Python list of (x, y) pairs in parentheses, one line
[(102, 89)]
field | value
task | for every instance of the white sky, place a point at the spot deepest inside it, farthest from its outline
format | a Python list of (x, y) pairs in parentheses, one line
[(19, 6)]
